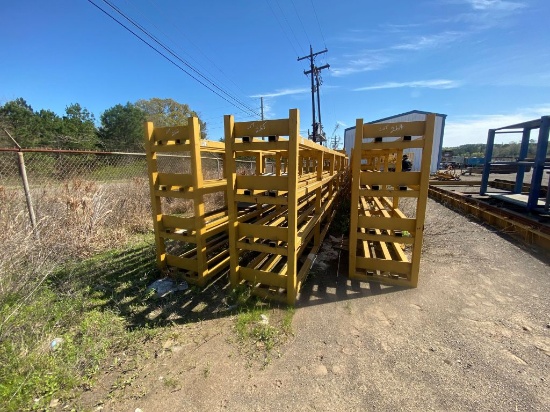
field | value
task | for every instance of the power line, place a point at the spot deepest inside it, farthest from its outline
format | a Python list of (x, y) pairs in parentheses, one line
[(210, 61), (289, 25), (303, 27), (236, 102), (283, 29), (147, 33), (318, 24)]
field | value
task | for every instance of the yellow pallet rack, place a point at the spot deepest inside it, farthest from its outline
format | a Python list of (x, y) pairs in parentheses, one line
[(203, 236), (293, 206), (378, 228)]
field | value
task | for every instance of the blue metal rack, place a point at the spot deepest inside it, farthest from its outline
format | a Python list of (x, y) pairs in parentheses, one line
[(538, 164)]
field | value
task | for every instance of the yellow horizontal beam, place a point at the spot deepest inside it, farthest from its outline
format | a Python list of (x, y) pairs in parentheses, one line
[(261, 247), (174, 179), (171, 148), (395, 178), (383, 265), (394, 129), (182, 263), (270, 200), (178, 222), (262, 182), (256, 276), (417, 143), (386, 223), (309, 144), (171, 133), (406, 240), (263, 232), (262, 128)]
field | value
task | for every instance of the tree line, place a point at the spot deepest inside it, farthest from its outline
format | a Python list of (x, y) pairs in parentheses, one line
[(500, 150), (120, 127)]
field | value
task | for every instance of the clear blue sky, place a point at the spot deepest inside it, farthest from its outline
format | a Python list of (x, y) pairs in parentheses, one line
[(484, 63)]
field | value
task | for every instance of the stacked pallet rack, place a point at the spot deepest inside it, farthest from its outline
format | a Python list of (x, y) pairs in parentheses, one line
[(378, 228), (273, 252), (195, 246)]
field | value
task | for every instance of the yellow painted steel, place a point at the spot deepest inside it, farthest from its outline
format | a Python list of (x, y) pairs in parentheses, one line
[(198, 241), (265, 250), (378, 228)]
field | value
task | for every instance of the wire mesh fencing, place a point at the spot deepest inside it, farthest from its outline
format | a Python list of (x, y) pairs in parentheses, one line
[(96, 188)]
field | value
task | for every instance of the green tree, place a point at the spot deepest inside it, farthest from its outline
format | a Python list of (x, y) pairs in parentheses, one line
[(122, 128), (18, 117), (79, 131), (168, 112), (49, 129)]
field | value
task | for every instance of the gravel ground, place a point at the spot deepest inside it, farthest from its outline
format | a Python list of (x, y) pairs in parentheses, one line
[(474, 336)]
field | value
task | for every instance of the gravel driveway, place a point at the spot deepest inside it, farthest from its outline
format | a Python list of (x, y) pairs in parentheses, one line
[(474, 336)]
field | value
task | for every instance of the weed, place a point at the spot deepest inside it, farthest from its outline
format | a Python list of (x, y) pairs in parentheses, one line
[(206, 371), (264, 329), (171, 383)]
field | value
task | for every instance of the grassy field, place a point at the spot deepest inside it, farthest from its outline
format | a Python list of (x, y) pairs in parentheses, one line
[(64, 290), (74, 298)]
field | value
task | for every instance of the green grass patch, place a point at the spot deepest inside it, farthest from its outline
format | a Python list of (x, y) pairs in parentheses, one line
[(264, 327), (92, 309)]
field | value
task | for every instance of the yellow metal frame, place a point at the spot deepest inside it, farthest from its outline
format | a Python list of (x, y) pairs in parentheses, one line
[(378, 228), (206, 232), (292, 207)]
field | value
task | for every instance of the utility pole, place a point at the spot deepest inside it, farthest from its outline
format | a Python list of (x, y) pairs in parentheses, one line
[(262, 106), (315, 83)]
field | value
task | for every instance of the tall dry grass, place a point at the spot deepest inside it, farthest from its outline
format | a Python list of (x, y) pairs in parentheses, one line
[(75, 219)]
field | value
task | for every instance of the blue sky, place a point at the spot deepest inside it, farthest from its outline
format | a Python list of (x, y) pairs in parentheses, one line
[(484, 63)]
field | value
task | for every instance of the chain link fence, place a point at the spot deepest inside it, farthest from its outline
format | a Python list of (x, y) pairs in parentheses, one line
[(48, 183)]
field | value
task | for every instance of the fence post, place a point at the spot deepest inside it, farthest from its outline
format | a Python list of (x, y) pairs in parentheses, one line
[(23, 174)]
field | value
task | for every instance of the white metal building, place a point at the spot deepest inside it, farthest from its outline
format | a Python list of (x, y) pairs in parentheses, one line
[(412, 116)]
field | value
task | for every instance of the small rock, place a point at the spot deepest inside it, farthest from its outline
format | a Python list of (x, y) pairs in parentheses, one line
[(54, 403), (432, 349), (320, 370), (138, 410), (168, 344), (264, 320), (527, 328)]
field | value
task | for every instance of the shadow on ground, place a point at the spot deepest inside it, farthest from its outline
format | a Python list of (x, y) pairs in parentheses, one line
[(119, 281), (328, 282)]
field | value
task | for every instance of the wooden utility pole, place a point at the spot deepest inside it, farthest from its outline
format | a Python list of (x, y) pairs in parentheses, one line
[(315, 83)]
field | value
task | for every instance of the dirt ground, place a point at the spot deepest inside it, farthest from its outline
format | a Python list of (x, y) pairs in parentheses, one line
[(474, 336)]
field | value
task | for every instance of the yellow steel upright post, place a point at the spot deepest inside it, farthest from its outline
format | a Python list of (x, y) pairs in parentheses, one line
[(355, 172), (198, 200), (292, 169), (231, 175), (318, 198), (422, 197), (152, 168)]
